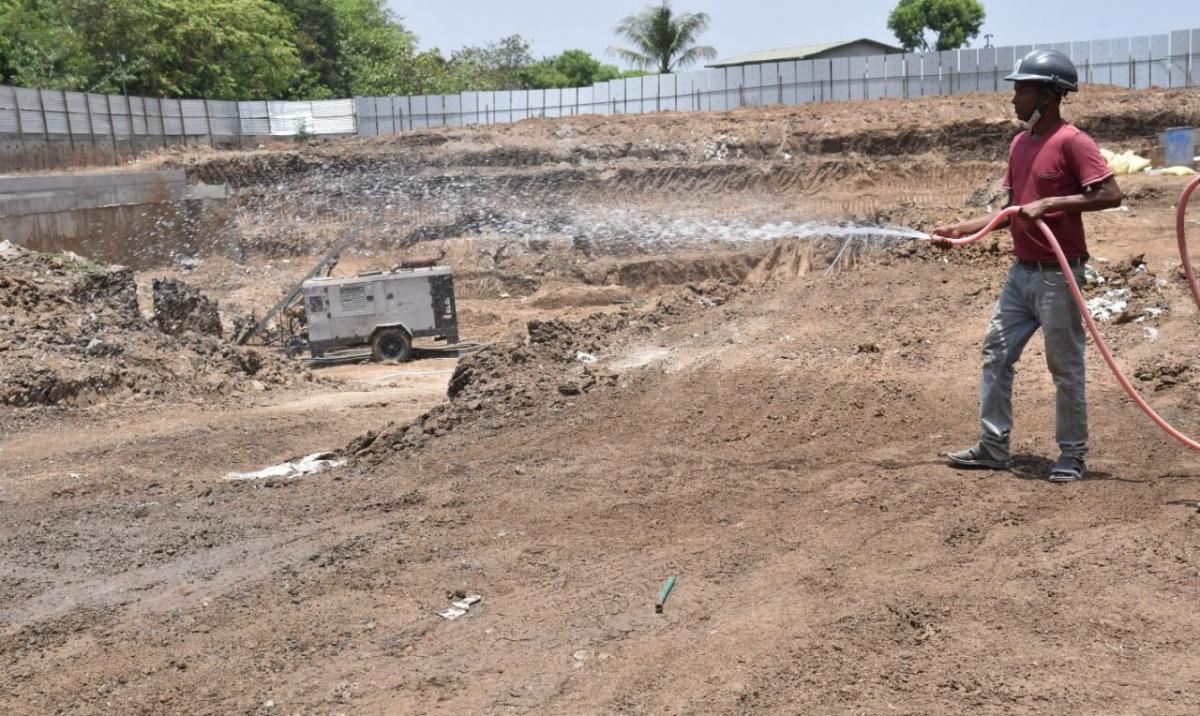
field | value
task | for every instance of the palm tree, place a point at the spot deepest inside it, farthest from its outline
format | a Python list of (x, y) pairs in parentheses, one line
[(662, 38)]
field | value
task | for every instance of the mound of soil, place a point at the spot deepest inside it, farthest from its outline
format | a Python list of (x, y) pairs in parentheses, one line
[(558, 295), (71, 334), (510, 381)]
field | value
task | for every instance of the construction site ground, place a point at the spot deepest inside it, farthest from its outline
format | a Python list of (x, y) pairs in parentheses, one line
[(767, 431)]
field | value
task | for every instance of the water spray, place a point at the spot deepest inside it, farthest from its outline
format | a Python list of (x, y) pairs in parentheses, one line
[(863, 232), (1087, 316)]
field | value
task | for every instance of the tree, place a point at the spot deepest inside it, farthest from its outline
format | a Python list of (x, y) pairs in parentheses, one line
[(662, 39), (495, 66), (39, 51), (215, 48), (257, 49), (572, 68), (325, 74), (580, 69), (165, 48), (955, 22), (379, 53)]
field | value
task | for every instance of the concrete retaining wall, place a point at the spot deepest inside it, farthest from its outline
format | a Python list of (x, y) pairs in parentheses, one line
[(140, 219), (24, 195)]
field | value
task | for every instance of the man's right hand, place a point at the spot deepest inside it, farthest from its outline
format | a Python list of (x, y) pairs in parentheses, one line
[(941, 236)]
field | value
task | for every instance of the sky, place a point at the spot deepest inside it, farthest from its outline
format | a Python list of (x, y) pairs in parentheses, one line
[(741, 26)]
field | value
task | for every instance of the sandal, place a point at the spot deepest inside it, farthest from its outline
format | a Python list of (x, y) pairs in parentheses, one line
[(978, 456), (1068, 468)]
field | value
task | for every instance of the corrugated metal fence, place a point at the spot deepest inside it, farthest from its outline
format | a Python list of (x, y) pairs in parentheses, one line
[(43, 113), (1169, 60), (36, 123), (41, 128)]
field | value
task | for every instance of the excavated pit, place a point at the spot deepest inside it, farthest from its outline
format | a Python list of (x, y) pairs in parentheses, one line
[(698, 365)]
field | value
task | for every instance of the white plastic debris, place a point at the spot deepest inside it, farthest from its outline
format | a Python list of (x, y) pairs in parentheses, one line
[(289, 470), (9, 250), (459, 608), (1110, 305), (585, 357)]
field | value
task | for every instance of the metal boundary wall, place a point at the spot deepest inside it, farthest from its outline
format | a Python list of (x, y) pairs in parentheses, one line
[(41, 113), (1168, 61), (41, 128)]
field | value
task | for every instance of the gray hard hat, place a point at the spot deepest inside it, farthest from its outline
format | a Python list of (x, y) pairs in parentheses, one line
[(1049, 66)]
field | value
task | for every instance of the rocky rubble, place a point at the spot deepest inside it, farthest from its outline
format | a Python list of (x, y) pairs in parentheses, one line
[(178, 308), (71, 334), (1165, 376)]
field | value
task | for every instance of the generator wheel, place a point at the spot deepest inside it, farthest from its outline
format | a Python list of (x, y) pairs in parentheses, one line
[(391, 344)]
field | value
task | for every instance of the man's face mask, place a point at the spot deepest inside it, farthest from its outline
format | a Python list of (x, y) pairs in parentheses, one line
[(1038, 109), (1037, 113)]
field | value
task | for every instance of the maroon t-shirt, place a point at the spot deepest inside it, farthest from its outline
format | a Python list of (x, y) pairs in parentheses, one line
[(1060, 163)]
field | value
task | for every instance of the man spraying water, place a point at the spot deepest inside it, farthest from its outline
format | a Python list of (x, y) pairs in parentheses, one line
[(1055, 172)]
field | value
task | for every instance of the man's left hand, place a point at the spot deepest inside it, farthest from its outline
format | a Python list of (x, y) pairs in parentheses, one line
[(1035, 210)]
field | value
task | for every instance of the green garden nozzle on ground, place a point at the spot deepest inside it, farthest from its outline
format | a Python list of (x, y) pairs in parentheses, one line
[(662, 595)]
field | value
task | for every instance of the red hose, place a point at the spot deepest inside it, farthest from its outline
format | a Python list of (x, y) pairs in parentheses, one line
[(1180, 213), (1087, 316)]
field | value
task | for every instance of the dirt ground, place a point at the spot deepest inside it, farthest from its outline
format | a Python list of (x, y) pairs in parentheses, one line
[(765, 430)]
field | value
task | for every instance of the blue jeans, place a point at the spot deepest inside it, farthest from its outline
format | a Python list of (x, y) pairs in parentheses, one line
[(1035, 297)]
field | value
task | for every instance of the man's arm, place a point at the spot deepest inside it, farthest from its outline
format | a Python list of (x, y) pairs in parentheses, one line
[(940, 236), (1104, 194)]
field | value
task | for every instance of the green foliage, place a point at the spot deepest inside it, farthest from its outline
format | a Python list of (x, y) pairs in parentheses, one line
[(955, 22), (228, 49), (663, 39), (263, 49), (573, 68), (192, 48), (39, 50), (380, 55), (495, 66), (320, 46), (302, 135), (218, 48)]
